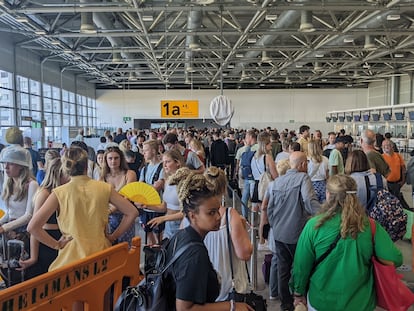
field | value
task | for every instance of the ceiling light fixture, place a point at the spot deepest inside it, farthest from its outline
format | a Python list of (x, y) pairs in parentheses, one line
[(288, 81), (399, 55), (342, 73), (271, 17), (251, 40), (77, 57), (239, 55), (55, 42), (40, 32), (21, 19), (148, 18), (319, 55), (194, 46), (393, 17), (324, 80), (230, 66), (132, 76), (348, 40), (306, 22), (153, 40)]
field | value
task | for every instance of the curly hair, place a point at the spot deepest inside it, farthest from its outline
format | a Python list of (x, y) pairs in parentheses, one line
[(192, 189), (217, 178), (342, 199)]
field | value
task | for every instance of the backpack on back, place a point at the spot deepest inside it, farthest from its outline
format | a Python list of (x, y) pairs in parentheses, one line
[(387, 210), (245, 164), (152, 293)]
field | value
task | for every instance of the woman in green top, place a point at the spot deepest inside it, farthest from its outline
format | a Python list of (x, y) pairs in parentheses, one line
[(344, 279)]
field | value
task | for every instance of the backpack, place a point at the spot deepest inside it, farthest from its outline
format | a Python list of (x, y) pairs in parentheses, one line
[(387, 210), (152, 293), (156, 174), (245, 163)]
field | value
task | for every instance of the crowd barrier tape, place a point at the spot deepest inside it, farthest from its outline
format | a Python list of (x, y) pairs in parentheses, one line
[(85, 280)]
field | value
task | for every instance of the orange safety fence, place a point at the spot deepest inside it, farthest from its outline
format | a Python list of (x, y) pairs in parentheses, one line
[(85, 280)]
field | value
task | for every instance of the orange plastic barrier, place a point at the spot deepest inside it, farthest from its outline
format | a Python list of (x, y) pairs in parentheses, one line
[(86, 280)]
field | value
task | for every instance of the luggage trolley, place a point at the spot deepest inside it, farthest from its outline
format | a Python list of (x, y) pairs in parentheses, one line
[(11, 251)]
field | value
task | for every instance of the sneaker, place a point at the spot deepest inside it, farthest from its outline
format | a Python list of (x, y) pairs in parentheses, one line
[(262, 247), (274, 298)]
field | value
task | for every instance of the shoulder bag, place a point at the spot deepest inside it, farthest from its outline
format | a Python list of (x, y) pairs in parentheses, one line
[(392, 293), (257, 302)]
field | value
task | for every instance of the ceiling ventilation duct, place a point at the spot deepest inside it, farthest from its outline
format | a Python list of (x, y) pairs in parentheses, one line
[(265, 58), (192, 42), (306, 22), (369, 43), (221, 110), (87, 25), (116, 57)]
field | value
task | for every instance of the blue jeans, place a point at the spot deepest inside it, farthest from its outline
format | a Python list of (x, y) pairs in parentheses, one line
[(273, 282), (285, 253), (245, 197)]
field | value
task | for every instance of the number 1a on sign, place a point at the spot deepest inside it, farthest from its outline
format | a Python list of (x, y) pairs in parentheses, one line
[(175, 110)]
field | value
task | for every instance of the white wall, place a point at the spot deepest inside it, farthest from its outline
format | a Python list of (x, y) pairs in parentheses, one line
[(259, 108)]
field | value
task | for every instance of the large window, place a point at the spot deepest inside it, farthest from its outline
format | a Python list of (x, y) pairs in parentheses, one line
[(46, 103)]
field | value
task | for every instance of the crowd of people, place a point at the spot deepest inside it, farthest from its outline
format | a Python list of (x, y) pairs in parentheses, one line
[(69, 208)]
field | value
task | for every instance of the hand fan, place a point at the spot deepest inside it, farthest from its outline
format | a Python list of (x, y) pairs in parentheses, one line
[(141, 192)]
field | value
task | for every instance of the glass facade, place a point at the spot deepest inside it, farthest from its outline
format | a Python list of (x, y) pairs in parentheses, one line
[(33, 103)]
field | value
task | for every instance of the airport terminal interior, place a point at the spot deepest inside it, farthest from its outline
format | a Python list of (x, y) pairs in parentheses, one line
[(89, 67)]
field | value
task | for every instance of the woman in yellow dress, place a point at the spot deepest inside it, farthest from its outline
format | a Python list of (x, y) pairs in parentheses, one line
[(82, 209)]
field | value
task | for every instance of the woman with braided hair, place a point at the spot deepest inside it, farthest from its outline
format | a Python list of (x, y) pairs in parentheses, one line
[(192, 275), (343, 280)]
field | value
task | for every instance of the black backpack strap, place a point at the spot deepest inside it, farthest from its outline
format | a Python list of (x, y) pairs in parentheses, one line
[(157, 173), (368, 187), (145, 171), (328, 251)]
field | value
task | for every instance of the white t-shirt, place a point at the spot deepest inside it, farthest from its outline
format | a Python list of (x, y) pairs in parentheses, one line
[(317, 171)]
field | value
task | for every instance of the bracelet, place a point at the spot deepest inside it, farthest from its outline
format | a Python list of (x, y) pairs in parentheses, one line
[(297, 295), (57, 246), (232, 305)]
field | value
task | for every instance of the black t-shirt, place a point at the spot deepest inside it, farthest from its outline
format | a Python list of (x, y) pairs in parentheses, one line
[(193, 274)]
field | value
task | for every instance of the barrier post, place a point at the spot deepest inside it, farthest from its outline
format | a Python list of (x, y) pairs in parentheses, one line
[(87, 280), (253, 261)]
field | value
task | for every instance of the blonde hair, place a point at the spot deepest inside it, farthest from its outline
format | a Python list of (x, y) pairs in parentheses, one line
[(192, 189), (217, 178), (74, 161), (282, 166), (315, 151), (123, 145), (18, 188), (198, 147), (342, 199), (53, 176), (176, 156)]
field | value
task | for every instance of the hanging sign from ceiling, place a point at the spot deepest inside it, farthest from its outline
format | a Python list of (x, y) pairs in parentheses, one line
[(179, 109)]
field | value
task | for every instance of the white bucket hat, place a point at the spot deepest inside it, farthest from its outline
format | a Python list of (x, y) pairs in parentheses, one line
[(17, 155)]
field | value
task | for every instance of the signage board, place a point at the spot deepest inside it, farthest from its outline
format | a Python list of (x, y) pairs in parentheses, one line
[(179, 109)]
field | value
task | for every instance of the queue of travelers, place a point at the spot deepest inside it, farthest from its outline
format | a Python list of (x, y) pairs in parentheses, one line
[(316, 192)]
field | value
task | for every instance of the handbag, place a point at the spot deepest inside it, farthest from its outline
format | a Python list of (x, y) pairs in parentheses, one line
[(392, 293), (257, 302), (264, 181)]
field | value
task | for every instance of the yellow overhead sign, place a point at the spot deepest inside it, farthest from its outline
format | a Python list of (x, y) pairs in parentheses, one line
[(179, 109)]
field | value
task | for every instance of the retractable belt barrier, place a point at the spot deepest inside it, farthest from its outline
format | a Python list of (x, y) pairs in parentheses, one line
[(85, 280)]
